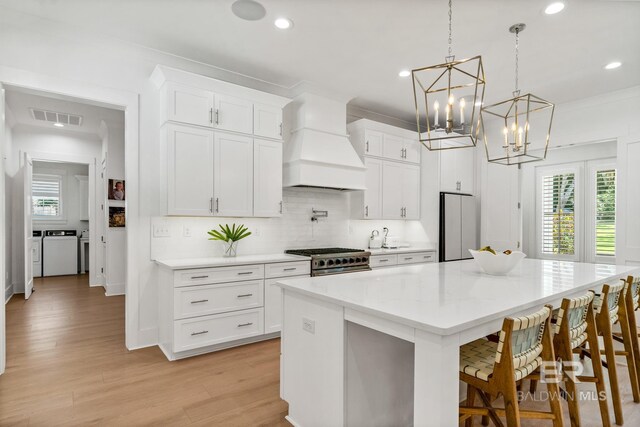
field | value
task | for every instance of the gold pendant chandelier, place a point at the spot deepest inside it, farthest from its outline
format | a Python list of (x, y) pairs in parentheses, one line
[(447, 99), (516, 131)]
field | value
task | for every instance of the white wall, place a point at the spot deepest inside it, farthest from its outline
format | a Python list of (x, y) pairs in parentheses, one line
[(6, 171), (71, 207), (116, 236)]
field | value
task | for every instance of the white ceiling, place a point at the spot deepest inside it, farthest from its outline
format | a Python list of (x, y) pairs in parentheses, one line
[(21, 100), (357, 47)]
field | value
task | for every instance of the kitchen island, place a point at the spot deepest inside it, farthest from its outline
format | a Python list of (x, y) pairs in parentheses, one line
[(382, 347)]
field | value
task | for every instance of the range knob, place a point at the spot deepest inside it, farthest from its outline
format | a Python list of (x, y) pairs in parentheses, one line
[(358, 260), (345, 261), (321, 263), (330, 262), (337, 262)]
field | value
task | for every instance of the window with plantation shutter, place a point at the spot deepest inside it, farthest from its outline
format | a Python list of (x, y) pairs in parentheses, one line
[(558, 231), (605, 212), (46, 196)]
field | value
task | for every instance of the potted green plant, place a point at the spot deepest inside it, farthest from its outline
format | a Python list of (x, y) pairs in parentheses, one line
[(229, 236)]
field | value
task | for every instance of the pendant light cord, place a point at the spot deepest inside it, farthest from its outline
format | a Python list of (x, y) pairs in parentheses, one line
[(517, 51), (450, 49)]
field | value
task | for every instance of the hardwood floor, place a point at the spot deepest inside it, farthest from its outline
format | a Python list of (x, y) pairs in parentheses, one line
[(67, 365)]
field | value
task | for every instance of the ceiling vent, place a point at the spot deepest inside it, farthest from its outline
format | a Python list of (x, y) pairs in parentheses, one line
[(53, 117)]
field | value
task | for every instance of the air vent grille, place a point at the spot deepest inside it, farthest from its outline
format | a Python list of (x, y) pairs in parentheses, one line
[(55, 117)]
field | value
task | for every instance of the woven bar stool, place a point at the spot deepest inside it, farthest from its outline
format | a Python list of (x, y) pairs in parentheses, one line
[(610, 307), (632, 304), (576, 325), (491, 369)]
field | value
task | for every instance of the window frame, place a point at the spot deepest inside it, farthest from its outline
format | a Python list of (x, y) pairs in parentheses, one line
[(541, 172), (593, 166), (60, 176)]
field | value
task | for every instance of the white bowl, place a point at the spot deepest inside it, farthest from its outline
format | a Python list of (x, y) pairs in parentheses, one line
[(499, 264)]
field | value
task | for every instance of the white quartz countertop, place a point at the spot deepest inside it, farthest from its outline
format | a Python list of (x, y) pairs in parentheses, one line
[(445, 298), (384, 251), (183, 264)]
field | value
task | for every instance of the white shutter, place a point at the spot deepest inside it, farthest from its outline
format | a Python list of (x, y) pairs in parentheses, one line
[(46, 194), (605, 209), (558, 214)]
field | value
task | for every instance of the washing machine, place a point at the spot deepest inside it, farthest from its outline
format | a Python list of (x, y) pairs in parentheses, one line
[(36, 248), (59, 253)]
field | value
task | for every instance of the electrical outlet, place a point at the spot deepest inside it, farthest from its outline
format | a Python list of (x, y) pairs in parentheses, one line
[(186, 231), (255, 231), (309, 325), (161, 230)]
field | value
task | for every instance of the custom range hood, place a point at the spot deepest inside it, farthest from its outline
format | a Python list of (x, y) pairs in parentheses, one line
[(318, 153)]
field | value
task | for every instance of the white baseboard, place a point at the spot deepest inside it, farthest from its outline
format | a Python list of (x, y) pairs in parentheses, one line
[(146, 338), (112, 289), (8, 294)]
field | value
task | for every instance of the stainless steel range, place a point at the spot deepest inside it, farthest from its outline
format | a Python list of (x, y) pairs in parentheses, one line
[(325, 261)]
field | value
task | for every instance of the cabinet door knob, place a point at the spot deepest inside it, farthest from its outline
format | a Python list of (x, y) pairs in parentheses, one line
[(366, 211), (280, 129), (211, 205), (217, 116), (280, 206), (217, 205), (367, 147), (211, 115)]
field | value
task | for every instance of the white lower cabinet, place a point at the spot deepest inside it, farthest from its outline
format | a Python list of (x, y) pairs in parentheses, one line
[(388, 260), (209, 309)]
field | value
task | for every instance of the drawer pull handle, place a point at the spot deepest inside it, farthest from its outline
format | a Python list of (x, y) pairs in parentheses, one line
[(245, 324), (199, 333), (290, 269), (245, 295), (383, 260), (198, 277), (199, 301), (408, 259), (242, 273)]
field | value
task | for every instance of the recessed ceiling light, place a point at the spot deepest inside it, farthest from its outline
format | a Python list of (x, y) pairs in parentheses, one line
[(58, 125), (283, 23), (554, 8), (612, 65), (404, 73), (248, 10)]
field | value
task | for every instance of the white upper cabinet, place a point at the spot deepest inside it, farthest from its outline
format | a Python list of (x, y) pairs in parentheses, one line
[(189, 105), (373, 143), (392, 182), (190, 170), (233, 114), (233, 175), (457, 170), (267, 121), (393, 147), (373, 193), (267, 178), (411, 191), (412, 150)]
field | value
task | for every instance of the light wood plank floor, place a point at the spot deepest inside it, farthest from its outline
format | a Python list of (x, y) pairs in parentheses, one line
[(67, 365)]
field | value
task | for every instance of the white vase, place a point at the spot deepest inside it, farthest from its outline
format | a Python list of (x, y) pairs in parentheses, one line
[(230, 248)]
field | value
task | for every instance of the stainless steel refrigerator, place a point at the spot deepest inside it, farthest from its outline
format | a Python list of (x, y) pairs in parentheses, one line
[(458, 231)]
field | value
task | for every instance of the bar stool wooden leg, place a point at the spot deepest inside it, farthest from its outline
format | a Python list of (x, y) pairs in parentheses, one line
[(633, 325), (605, 330), (598, 371), (510, 394), (628, 348), (471, 400)]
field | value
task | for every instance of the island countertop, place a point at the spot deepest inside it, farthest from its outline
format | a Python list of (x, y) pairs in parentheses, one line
[(446, 298)]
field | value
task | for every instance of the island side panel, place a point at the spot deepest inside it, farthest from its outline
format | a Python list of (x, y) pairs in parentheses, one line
[(436, 376), (312, 371)]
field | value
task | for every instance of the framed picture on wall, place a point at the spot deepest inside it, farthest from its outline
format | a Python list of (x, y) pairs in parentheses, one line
[(116, 217), (116, 190)]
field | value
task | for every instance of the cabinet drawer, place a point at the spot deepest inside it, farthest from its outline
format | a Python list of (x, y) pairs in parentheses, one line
[(416, 257), (201, 300), (383, 260), (204, 276), (284, 269), (216, 329)]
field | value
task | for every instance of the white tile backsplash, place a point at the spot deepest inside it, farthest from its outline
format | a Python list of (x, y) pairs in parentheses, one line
[(272, 235)]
